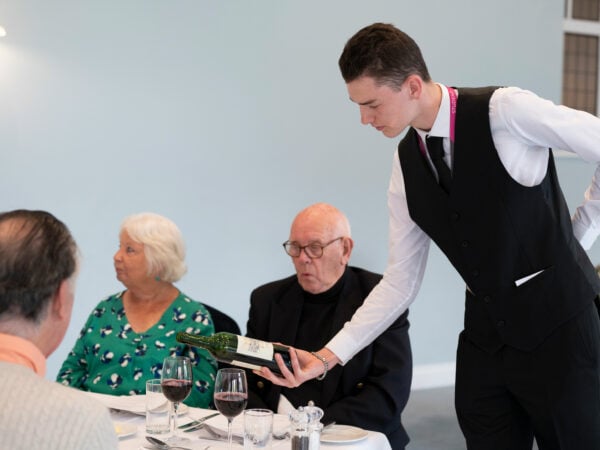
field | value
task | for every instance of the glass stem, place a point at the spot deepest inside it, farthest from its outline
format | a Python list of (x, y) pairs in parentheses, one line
[(174, 418), (229, 432)]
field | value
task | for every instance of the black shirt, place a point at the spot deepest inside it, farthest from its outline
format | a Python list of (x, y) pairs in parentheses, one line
[(314, 332)]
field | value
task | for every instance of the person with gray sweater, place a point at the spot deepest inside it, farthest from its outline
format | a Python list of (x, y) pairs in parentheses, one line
[(38, 267)]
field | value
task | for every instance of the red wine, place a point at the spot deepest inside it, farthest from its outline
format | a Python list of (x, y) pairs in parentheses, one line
[(176, 390), (230, 404)]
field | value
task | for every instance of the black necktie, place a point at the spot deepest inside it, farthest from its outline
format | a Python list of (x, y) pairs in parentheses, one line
[(436, 153)]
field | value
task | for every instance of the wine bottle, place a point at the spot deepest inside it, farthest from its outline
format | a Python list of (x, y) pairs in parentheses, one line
[(239, 350)]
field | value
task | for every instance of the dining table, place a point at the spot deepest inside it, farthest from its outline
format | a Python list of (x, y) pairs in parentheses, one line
[(128, 415)]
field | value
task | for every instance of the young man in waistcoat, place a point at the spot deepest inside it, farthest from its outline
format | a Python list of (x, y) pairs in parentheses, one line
[(528, 358)]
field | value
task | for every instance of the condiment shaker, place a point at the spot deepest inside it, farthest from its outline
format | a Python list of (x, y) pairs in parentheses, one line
[(305, 428)]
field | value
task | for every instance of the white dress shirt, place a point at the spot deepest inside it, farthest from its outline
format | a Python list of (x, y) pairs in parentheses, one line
[(523, 127)]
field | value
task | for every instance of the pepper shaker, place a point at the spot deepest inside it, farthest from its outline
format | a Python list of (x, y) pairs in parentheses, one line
[(305, 427)]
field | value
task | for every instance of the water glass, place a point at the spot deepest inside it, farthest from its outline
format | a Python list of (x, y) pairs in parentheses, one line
[(157, 408), (258, 428)]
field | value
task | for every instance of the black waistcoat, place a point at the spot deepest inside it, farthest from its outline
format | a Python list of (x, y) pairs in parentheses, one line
[(495, 231)]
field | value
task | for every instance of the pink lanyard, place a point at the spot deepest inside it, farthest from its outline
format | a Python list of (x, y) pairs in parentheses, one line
[(453, 99)]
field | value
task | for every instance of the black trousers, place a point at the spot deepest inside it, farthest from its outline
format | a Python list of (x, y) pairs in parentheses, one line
[(504, 400)]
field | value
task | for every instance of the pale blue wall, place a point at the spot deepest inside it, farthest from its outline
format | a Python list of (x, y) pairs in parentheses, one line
[(229, 117)]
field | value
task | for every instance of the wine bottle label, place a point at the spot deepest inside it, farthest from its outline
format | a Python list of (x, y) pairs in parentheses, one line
[(245, 365), (252, 347)]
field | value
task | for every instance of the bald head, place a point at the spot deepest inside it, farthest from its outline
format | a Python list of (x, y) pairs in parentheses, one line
[(323, 218), (325, 227)]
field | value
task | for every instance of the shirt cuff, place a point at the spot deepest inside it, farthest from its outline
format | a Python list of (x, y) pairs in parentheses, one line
[(343, 346)]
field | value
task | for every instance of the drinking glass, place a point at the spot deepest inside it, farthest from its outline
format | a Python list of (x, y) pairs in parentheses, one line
[(258, 428), (176, 381), (157, 409), (231, 395)]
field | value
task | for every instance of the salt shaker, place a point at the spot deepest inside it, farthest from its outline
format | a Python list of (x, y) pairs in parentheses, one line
[(305, 427)]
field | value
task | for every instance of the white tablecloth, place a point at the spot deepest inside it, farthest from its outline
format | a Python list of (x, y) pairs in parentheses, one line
[(134, 422)]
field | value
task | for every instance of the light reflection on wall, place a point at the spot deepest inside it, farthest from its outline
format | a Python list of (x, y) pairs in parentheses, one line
[(8, 58)]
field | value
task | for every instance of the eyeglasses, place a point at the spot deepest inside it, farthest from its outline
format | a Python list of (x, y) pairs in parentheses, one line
[(313, 250)]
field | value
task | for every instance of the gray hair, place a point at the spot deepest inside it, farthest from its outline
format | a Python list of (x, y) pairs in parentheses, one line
[(37, 253), (163, 244)]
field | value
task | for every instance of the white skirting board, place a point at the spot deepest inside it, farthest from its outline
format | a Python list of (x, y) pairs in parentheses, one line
[(563, 154), (430, 376)]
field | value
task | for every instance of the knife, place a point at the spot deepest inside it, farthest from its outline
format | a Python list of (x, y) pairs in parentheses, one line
[(218, 435), (197, 423)]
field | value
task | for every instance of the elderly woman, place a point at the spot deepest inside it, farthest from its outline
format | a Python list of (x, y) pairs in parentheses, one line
[(128, 335)]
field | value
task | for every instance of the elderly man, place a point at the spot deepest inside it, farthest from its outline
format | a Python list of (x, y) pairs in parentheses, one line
[(307, 309), (38, 266)]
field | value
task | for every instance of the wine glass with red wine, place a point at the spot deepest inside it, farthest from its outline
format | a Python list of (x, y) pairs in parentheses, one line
[(176, 381), (231, 395)]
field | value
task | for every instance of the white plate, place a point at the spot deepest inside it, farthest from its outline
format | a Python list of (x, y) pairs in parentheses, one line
[(335, 434), (124, 429), (135, 404)]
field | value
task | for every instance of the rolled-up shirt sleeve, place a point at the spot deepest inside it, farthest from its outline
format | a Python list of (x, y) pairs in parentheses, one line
[(524, 123), (586, 220)]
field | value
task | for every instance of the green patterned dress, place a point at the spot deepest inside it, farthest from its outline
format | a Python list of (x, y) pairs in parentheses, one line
[(110, 358)]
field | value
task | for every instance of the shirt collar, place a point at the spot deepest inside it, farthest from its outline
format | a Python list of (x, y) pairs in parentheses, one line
[(441, 125), (17, 350)]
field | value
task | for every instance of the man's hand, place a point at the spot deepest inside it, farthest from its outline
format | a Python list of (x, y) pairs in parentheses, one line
[(305, 365)]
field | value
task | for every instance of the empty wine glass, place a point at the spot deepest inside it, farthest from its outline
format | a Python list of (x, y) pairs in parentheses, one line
[(231, 395), (176, 381)]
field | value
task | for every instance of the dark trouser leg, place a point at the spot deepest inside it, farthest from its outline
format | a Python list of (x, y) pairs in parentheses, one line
[(488, 415), (568, 417), (553, 391)]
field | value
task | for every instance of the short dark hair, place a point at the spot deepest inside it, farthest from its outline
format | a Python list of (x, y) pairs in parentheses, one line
[(384, 53), (37, 253)]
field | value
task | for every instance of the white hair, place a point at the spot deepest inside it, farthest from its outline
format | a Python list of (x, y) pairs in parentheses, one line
[(163, 244)]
